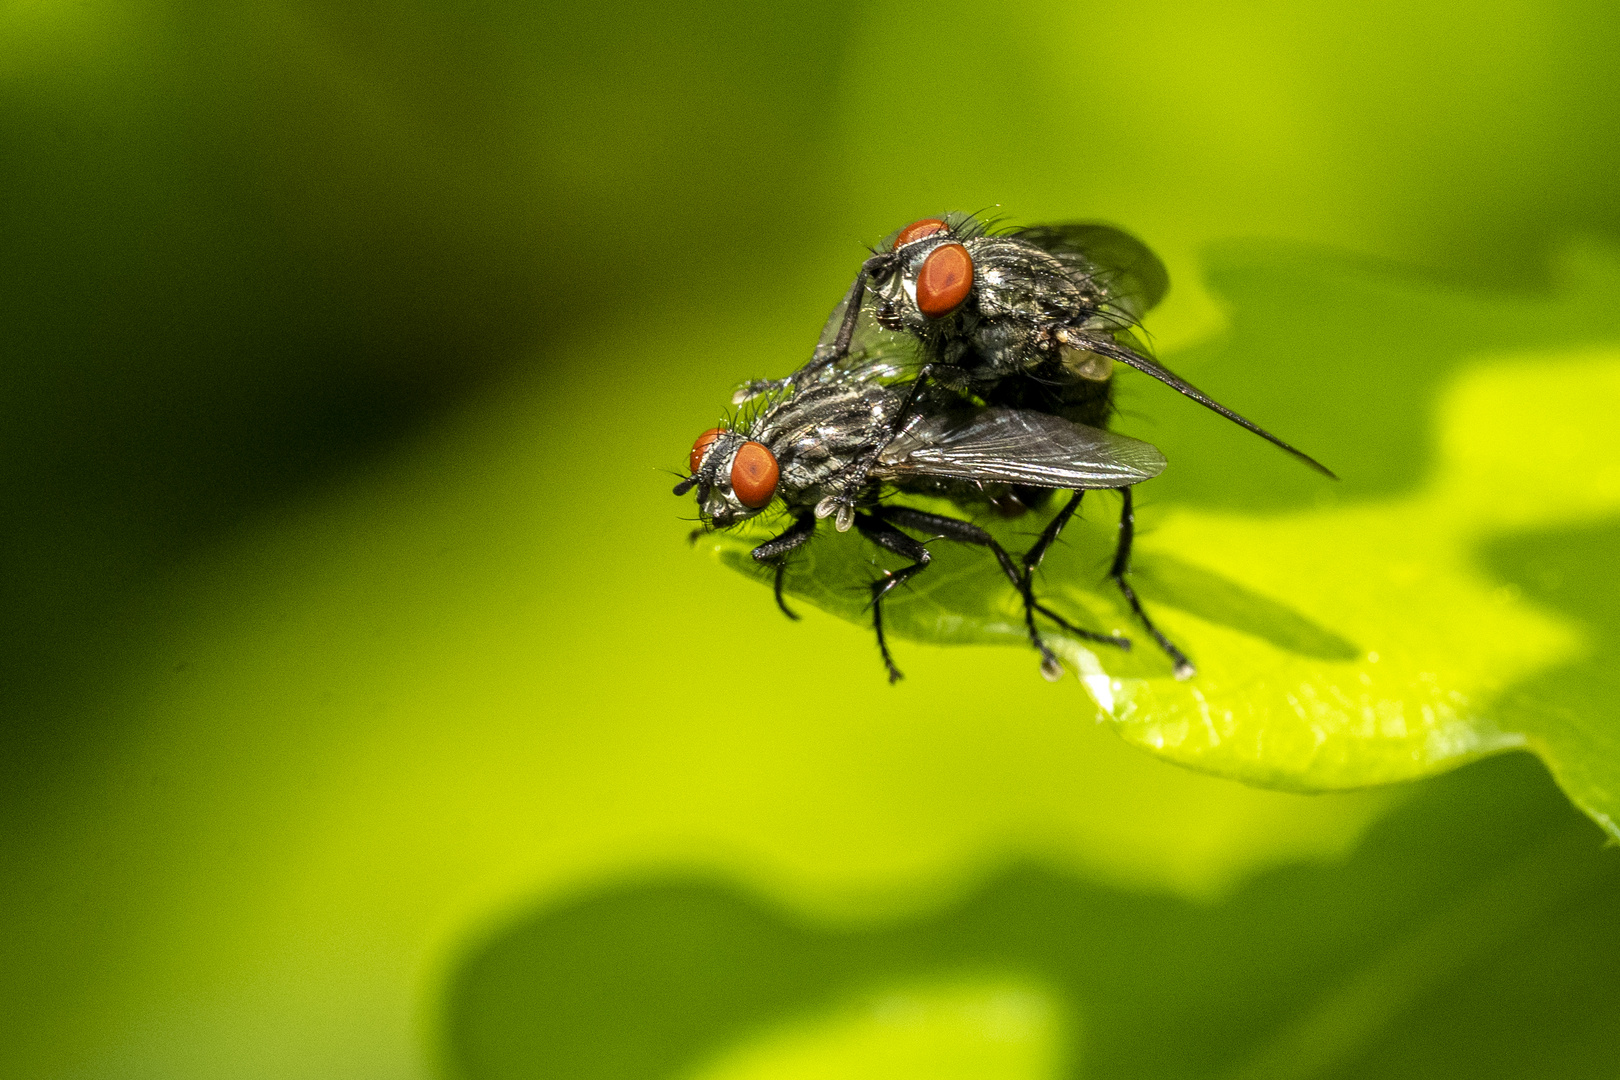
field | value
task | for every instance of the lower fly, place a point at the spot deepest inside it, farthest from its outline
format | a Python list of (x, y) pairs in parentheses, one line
[(828, 449)]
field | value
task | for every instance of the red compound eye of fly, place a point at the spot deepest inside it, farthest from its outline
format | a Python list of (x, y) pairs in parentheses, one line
[(944, 281), (701, 447), (928, 226), (753, 475)]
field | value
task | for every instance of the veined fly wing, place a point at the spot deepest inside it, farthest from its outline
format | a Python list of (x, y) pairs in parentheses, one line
[(1016, 446)]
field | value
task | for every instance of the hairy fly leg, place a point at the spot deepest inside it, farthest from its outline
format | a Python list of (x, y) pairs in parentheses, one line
[(774, 552), (1122, 564), (968, 533), (949, 528), (1026, 585), (1048, 537), (877, 264), (886, 536)]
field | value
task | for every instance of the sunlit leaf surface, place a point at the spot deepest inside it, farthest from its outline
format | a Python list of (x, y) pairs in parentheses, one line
[(1348, 634)]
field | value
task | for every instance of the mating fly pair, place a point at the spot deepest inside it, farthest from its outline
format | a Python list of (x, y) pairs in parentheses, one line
[(830, 439), (1014, 337)]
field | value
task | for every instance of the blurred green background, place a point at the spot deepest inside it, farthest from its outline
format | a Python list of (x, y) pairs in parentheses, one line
[(363, 712)]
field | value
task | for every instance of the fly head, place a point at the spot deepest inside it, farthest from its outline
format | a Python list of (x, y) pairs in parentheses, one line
[(735, 476), (924, 274)]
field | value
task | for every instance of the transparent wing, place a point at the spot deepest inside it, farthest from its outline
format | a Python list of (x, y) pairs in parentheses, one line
[(1135, 278), (874, 353), (870, 336), (1016, 446)]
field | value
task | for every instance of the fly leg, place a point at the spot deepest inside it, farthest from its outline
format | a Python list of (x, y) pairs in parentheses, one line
[(886, 536), (1122, 563), (825, 355), (950, 528), (1026, 585), (968, 533), (1048, 537), (774, 551)]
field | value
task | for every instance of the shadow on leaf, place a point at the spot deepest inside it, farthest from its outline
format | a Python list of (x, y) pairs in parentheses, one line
[(1484, 897), (1218, 600)]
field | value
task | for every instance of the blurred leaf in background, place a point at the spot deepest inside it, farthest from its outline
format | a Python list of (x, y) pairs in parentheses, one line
[(1372, 967), (344, 617)]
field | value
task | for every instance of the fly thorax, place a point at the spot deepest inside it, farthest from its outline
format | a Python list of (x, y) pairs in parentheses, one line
[(1020, 281), (1004, 347), (805, 475)]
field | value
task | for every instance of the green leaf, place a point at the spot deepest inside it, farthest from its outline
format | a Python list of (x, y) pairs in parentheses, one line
[(1426, 612), (1486, 897)]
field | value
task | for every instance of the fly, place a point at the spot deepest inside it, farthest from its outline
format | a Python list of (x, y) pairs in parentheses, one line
[(827, 448)]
